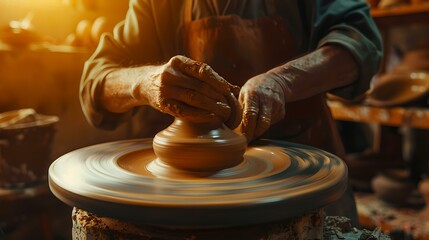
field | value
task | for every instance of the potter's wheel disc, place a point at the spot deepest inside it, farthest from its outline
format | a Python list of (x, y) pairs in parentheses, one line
[(277, 180)]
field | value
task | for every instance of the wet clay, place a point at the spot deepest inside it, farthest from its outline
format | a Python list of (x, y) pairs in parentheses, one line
[(199, 147)]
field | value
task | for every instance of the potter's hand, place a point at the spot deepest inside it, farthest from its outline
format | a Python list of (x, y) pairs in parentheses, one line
[(190, 90), (264, 97), (263, 102)]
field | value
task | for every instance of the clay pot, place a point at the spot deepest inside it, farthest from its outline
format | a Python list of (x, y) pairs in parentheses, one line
[(99, 26), (364, 166), (199, 147), (25, 147), (393, 186)]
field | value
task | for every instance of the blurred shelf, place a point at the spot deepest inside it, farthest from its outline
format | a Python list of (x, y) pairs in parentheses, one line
[(412, 13), (408, 9), (397, 16), (45, 47), (393, 116)]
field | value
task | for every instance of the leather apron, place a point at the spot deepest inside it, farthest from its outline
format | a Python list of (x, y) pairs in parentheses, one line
[(239, 49)]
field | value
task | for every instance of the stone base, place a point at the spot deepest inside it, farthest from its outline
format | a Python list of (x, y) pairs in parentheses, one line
[(313, 226), (88, 226)]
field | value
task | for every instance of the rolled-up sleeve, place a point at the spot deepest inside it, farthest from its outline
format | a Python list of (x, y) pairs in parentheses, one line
[(350, 25), (133, 42)]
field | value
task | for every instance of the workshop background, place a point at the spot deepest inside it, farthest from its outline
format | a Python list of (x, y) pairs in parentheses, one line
[(43, 47)]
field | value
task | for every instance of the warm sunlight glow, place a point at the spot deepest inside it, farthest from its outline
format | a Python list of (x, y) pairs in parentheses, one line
[(35, 4)]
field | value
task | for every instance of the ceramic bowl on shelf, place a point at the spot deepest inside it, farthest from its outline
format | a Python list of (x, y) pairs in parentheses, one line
[(18, 37), (399, 89)]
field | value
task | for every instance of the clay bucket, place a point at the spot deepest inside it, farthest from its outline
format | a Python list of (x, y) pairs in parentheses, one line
[(25, 147)]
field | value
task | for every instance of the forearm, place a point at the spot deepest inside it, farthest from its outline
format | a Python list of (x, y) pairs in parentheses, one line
[(181, 87), (120, 89), (326, 68)]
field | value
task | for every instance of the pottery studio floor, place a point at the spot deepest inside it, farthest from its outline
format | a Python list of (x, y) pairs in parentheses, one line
[(401, 222)]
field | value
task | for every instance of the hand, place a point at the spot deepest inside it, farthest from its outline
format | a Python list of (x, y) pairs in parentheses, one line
[(189, 90), (263, 100)]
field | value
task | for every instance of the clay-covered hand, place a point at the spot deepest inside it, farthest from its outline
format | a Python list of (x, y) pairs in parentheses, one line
[(264, 96), (189, 90), (263, 102)]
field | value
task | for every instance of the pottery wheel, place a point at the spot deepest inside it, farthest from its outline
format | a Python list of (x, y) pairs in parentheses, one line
[(125, 180)]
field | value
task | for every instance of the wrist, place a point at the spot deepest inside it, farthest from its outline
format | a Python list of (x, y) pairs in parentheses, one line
[(141, 80), (281, 75), (137, 87), (121, 90)]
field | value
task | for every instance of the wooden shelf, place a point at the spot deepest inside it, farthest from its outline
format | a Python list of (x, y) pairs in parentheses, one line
[(413, 13), (45, 47), (400, 10), (394, 116)]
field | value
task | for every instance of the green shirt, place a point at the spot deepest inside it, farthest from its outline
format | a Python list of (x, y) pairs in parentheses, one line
[(150, 34)]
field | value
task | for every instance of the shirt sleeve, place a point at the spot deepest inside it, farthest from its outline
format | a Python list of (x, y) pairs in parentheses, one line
[(133, 42), (349, 25)]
